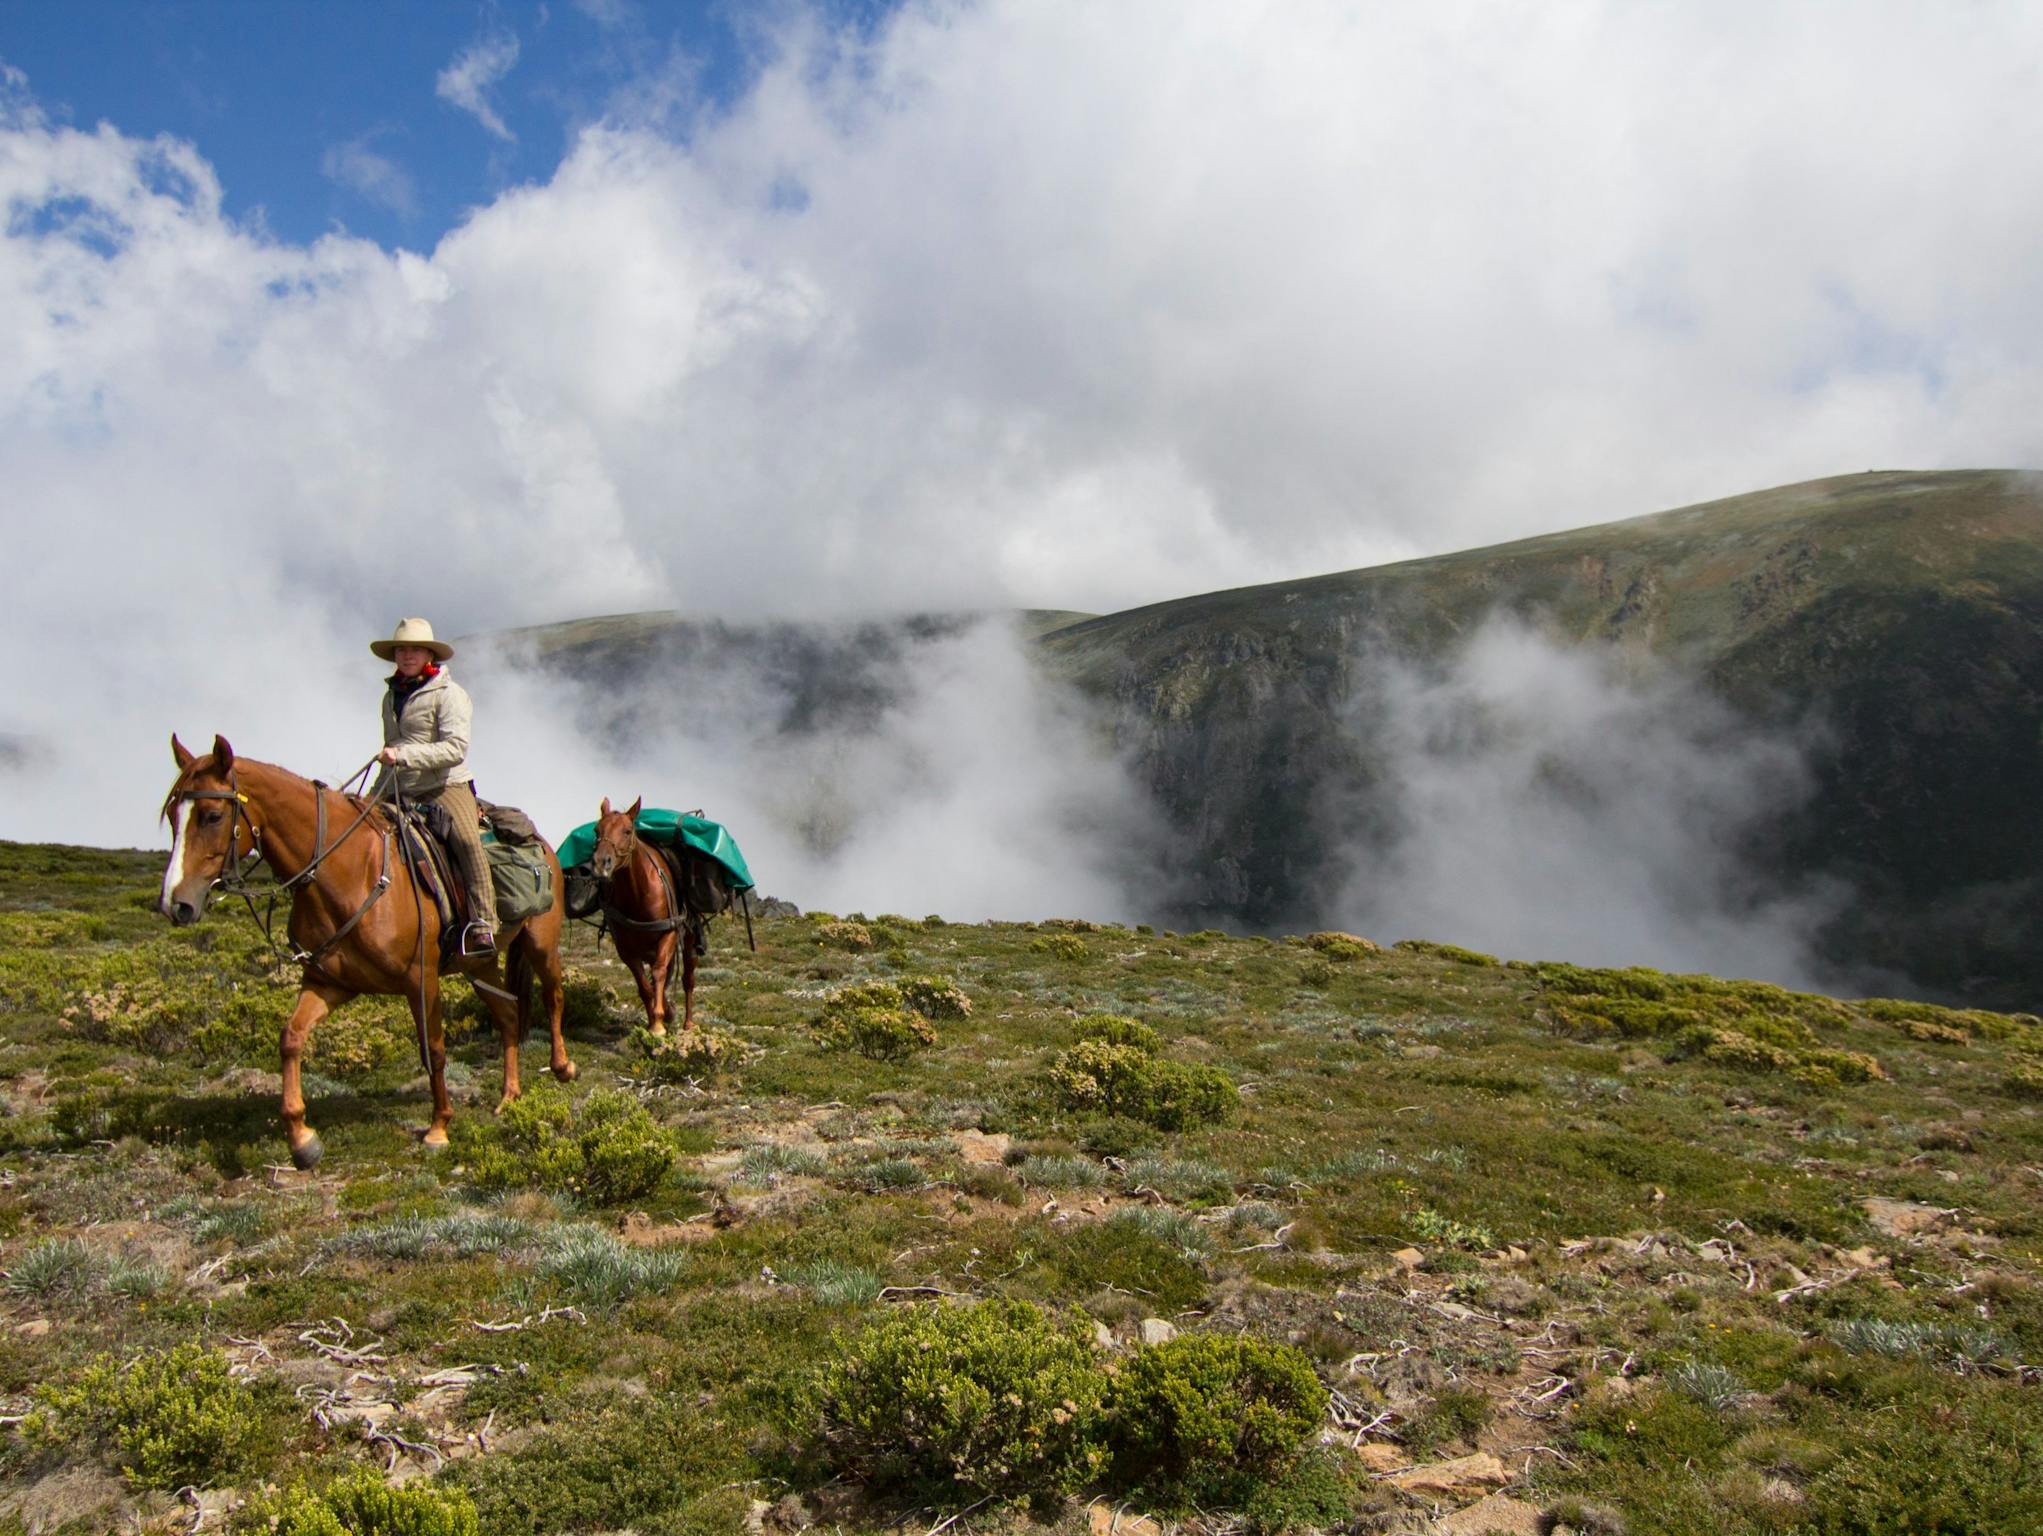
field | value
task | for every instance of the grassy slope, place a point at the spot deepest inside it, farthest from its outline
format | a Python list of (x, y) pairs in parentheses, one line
[(1598, 1205), (1692, 579)]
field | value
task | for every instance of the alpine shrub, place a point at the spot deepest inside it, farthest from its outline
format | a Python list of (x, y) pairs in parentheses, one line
[(998, 1399), (1433, 1227), (878, 1034), (1127, 1080), (1319, 1492), (1118, 1029), (879, 1019), (1342, 946), (592, 1005), (1059, 946), (1453, 952), (936, 997), (1209, 1416), (685, 1056), (606, 1149), (845, 935), (1966, 1467), (171, 1417), (2023, 1079), (1183, 1096), (1112, 1079), (362, 1504)]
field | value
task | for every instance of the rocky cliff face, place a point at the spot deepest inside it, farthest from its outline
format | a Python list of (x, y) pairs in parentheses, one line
[(1895, 621)]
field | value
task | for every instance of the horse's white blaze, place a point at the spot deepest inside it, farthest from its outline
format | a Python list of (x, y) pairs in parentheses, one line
[(173, 875)]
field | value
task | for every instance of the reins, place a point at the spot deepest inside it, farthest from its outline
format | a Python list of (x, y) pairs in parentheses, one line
[(235, 869)]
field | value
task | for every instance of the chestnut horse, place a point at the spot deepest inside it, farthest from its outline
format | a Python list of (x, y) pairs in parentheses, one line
[(645, 914), (359, 923)]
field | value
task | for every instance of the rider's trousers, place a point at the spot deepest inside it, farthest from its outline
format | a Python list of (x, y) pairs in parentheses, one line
[(459, 799)]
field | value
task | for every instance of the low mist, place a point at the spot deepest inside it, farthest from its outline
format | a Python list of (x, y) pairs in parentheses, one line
[(1552, 803), (915, 767)]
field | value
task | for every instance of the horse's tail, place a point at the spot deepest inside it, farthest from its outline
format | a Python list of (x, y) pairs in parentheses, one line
[(518, 981)]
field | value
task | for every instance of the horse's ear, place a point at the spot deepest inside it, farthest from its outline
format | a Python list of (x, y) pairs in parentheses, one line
[(604, 809), (181, 752), (633, 812), (223, 755)]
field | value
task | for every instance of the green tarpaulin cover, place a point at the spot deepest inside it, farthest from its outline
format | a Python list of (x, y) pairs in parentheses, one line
[(668, 827)]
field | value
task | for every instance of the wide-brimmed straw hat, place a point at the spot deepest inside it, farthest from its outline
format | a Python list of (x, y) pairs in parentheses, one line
[(412, 632)]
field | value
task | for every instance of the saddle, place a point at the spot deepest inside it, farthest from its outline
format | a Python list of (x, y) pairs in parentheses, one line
[(425, 833), (519, 880)]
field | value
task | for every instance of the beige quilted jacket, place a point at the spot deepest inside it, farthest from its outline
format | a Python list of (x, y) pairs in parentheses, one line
[(431, 738)]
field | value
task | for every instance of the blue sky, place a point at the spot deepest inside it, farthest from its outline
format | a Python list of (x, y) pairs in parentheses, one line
[(356, 115)]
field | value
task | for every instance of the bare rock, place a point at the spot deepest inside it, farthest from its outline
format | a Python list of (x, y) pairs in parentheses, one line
[(1497, 1515), (1482, 1470), (34, 1328), (1380, 1459), (1408, 1258), (1156, 1331), (1903, 1218)]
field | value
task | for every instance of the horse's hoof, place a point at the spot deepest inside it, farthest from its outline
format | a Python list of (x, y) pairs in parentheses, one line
[(305, 1156), (505, 1103), (659, 1030), (434, 1141), (565, 1072)]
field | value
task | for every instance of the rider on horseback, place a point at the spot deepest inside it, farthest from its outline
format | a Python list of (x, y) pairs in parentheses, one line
[(425, 750)]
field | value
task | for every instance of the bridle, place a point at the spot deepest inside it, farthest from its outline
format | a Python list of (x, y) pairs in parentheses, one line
[(633, 847), (235, 867)]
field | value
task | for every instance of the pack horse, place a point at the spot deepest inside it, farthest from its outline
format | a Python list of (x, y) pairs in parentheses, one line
[(658, 877), (361, 921)]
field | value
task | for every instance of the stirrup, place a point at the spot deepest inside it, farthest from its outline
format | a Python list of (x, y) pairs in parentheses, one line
[(478, 939)]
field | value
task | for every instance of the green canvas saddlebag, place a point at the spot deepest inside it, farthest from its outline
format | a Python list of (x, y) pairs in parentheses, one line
[(521, 877)]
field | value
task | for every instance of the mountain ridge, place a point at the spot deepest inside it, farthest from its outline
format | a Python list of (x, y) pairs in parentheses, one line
[(1892, 620)]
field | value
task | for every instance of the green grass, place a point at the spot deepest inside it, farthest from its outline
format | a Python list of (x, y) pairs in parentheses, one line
[(1618, 1189)]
